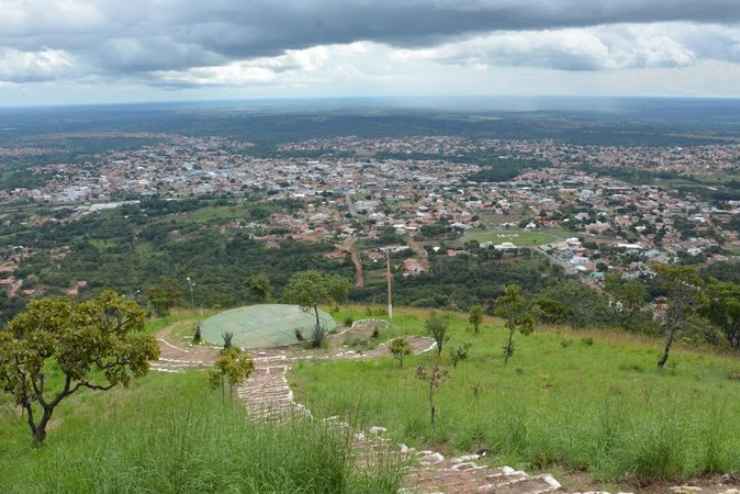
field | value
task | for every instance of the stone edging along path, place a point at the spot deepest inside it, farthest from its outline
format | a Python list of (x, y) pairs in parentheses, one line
[(267, 396)]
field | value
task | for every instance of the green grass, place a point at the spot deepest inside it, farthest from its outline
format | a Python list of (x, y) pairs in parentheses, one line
[(171, 434), (517, 236), (182, 321), (600, 406)]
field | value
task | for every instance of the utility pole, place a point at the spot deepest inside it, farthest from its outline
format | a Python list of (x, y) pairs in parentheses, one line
[(390, 283), (192, 294)]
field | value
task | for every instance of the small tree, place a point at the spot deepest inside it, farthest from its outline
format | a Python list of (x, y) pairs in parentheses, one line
[(228, 338), (628, 298), (163, 297), (434, 377), (232, 368), (96, 344), (400, 349), (722, 308), (437, 327), (339, 289), (682, 285), (309, 289), (459, 353), (514, 309), (475, 318), (260, 285)]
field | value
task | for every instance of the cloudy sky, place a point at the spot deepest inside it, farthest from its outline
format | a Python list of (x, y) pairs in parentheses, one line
[(85, 51)]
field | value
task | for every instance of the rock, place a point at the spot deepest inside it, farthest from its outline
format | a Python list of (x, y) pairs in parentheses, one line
[(433, 458), (465, 458), (377, 430), (685, 489)]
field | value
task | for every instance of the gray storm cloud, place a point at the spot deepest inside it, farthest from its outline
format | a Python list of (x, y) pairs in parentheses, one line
[(142, 37)]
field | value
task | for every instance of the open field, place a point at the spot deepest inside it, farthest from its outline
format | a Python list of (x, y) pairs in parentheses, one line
[(582, 401), (171, 434), (517, 236)]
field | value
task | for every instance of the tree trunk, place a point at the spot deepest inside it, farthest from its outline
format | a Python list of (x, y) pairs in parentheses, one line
[(734, 337), (735, 341), (39, 436), (509, 350), (39, 430), (666, 351), (432, 409), (318, 336)]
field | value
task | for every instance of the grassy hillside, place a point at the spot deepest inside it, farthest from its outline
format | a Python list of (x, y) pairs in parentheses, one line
[(170, 433), (585, 401)]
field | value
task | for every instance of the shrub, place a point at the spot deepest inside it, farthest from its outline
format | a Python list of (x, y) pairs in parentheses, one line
[(459, 353), (197, 337), (400, 348)]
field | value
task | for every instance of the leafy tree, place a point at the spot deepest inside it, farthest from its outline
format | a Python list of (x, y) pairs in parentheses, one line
[(550, 311), (513, 307), (682, 286), (309, 289), (435, 377), (56, 347), (232, 367), (722, 308), (475, 318), (164, 296), (261, 287), (339, 289), (437, 327), (629, 297), (400, 349), (574, 303)]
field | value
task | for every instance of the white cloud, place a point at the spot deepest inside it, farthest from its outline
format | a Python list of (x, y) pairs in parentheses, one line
[(603, 48), (25, 66), (265, 70)]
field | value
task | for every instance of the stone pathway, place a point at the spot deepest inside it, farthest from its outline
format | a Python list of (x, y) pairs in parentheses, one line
[(267, 396)]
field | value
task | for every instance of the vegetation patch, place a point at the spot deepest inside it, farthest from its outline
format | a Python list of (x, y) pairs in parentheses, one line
[(170, 434), (600, 406)]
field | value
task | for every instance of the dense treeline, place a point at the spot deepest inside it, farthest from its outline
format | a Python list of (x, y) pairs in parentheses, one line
[(504, 169)]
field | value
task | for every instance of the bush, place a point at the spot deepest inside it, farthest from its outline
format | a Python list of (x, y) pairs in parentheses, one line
[(348, 321)]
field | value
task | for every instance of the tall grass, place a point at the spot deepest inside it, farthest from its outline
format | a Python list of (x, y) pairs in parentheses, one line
[(172, 435), (598, 405)]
